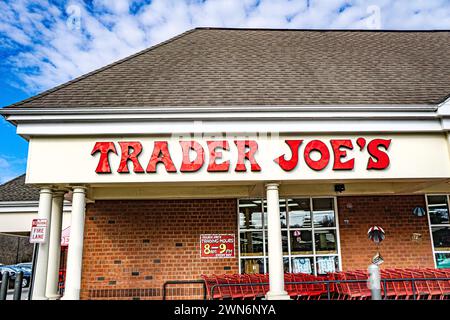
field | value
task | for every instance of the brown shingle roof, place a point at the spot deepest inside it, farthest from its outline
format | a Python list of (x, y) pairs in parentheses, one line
[(245, 67), (17, 190)]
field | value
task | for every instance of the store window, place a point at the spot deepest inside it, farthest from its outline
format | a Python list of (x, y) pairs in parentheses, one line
[(309, 233), (438, 213)]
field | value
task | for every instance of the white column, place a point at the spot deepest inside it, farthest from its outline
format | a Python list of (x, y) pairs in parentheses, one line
[(40, 271), (276, 270), (55, 246), (75, 252)]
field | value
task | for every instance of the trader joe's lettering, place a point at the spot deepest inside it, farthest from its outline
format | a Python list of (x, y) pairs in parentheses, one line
[(336, 153)]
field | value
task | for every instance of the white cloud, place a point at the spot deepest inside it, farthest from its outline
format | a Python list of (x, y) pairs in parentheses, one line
[(11, 167), (3, 164), (55, 46)]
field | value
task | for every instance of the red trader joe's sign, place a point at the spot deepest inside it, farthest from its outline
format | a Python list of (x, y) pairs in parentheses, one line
[(217, 245), (335, 152)]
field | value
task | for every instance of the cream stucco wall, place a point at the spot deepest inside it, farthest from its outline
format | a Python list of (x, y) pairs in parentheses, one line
[(67, 160), (15, 222)]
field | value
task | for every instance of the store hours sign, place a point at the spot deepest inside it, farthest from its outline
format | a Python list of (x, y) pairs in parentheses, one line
[(217, 246)]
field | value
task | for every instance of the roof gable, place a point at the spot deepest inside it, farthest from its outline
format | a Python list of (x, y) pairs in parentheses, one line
[(17, 190), (248, 67)]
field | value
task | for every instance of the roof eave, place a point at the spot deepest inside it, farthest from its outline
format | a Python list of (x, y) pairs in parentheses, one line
[(217, 109)]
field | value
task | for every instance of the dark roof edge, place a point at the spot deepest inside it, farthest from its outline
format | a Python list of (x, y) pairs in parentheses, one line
[(98, 70), (444, 100), (215, 109), (326, 30)]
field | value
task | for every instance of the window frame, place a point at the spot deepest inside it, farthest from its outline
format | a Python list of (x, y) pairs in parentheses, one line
[(430, 226), (314, 255)]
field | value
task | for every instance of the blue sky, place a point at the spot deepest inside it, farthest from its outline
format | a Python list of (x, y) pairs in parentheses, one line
[(45, 43)]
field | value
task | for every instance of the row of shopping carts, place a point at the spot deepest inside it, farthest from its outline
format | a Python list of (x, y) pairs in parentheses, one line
[(255, 286), (346, 285), (395, 284), (233, 286)]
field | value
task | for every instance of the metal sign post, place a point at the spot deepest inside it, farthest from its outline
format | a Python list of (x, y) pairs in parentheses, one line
[(374, 281), (4, 286), (376, 234), (17, 295), (33, 268)]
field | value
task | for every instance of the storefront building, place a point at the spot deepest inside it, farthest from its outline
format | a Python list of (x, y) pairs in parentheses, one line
[(19, 205), (285, 146)]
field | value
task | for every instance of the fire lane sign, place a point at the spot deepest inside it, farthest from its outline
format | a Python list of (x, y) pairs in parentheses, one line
[(38, 231), (217, 246)]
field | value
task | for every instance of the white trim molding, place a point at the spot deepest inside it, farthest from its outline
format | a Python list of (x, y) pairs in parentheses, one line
[(242, 119), (26, 206), (216, 109)]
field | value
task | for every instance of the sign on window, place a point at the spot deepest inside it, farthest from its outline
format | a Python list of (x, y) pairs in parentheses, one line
[(302, 265), (326, 265)]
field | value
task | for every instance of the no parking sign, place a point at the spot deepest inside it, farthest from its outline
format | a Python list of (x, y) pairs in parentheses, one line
[(38, 231)]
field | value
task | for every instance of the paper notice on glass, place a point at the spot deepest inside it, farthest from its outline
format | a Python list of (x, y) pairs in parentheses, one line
[(302, 266), (325, 265)]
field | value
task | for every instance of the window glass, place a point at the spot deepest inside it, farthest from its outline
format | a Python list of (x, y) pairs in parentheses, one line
[(285, 265), (282, 208), (327, 264), (303, 265), (443, 260), (308, 233), (251, 243), (284, 242), (441, 238), (438, 209), (299, 213), (250, 266), (325, 241), (283, 214), (301, 242), (250, 214), (323, 212)]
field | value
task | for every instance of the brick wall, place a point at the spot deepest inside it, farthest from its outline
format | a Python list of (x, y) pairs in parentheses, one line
[(394, 215), (132, 247)]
